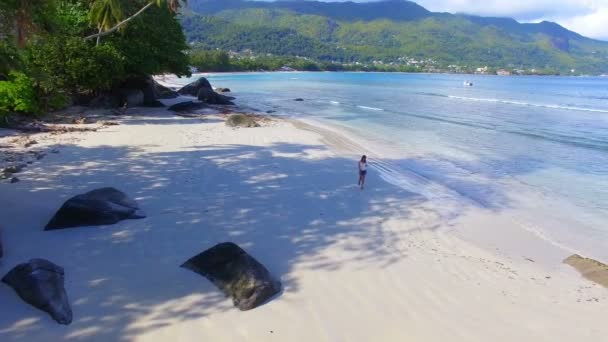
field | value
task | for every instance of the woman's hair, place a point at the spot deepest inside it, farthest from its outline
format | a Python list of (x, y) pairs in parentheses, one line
[(363, 158)]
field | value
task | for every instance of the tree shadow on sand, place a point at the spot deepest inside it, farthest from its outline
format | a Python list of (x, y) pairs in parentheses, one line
[(280, 203)]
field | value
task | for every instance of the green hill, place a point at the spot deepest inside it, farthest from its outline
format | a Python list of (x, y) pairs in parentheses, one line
[(398, 32)]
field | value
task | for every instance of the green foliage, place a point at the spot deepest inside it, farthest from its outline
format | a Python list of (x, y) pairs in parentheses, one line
[(106, 13), (9, 59), (214, 60), (152, 43), (72, 18), (18, 94), (71, 65)]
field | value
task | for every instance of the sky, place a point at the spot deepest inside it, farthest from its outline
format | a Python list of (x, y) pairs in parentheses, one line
[(587, 17)]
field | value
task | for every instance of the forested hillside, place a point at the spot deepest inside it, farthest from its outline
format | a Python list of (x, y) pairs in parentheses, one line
[(389, 32)]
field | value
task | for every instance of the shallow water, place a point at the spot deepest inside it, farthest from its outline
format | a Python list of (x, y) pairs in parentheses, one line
[(539, 144)]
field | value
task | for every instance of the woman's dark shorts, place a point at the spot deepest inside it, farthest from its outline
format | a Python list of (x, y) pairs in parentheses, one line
[(362, 173)]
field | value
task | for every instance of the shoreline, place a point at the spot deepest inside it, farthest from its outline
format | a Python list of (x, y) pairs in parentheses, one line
[(284, 192)]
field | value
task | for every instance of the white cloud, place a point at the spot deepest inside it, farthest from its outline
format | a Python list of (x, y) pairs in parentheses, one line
[(587, 17), (593, 25)]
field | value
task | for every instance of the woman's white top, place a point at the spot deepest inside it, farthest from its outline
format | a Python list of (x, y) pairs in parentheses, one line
[(362, 166)]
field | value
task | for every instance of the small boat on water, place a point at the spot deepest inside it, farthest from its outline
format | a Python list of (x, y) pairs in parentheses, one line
[(468, 83)]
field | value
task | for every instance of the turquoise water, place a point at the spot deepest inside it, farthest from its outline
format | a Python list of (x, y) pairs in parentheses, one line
[(506, 142)]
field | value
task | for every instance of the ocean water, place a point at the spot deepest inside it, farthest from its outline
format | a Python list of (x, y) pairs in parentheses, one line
[(539, 144)]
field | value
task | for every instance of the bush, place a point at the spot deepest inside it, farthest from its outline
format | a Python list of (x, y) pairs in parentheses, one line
[(18, 94), (241, 120), (9, 59), (70, 65)]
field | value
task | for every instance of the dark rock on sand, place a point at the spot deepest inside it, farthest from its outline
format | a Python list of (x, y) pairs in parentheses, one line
[(130, 98), (154, 104), (299, 99), (241, 120), (97, 207), (40, 283), (193, 88), (211, 97), (106, 100), (237, 274), (165, 92), (187, 106), (14, 180)]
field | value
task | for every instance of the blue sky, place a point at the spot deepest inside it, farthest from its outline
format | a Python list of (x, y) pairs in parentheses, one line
[(587, 17)]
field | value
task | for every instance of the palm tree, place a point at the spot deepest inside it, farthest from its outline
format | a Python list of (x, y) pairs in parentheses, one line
[(110, 22), (106, 14)]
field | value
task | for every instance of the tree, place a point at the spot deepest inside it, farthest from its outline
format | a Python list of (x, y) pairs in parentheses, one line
[(114, 7), (27, 16), (152, 44), (105, 14)]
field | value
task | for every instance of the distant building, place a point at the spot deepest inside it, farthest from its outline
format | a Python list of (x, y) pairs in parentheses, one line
[(503, 72)]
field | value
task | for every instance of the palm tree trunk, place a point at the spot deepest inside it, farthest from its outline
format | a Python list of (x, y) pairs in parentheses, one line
[(99, 37), (117, 26)]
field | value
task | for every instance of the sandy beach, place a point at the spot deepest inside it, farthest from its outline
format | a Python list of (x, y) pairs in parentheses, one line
[(375, 265)]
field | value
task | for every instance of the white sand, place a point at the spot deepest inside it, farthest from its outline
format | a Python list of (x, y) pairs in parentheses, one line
[(377, 265)]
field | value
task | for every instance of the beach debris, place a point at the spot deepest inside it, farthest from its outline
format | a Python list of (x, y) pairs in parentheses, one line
[(97, 207), (299, 99), (187, 106), (39, 127), (40, 283), (8, 171), (29, 143), (80, 121), (108, 123), (211, 97), (237, 274), (271, 111), (14, 180), (590, 269), (241, 120), (193, 88)]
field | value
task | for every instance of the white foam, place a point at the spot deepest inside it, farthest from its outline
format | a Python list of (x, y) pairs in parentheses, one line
[(370, 108), (519, 103)]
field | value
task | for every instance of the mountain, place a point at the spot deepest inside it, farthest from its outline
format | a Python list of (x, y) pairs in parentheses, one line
[(393, 31)]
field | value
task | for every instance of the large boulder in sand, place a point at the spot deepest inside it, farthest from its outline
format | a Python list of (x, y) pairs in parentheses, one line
[(165, 92), (237, 274), (193, 88), (241, 120), (97, 207), (211, 97), (39, 283), (187, 106)]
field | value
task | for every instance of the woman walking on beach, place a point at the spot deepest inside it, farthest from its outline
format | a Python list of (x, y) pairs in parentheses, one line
[(362, 171)]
